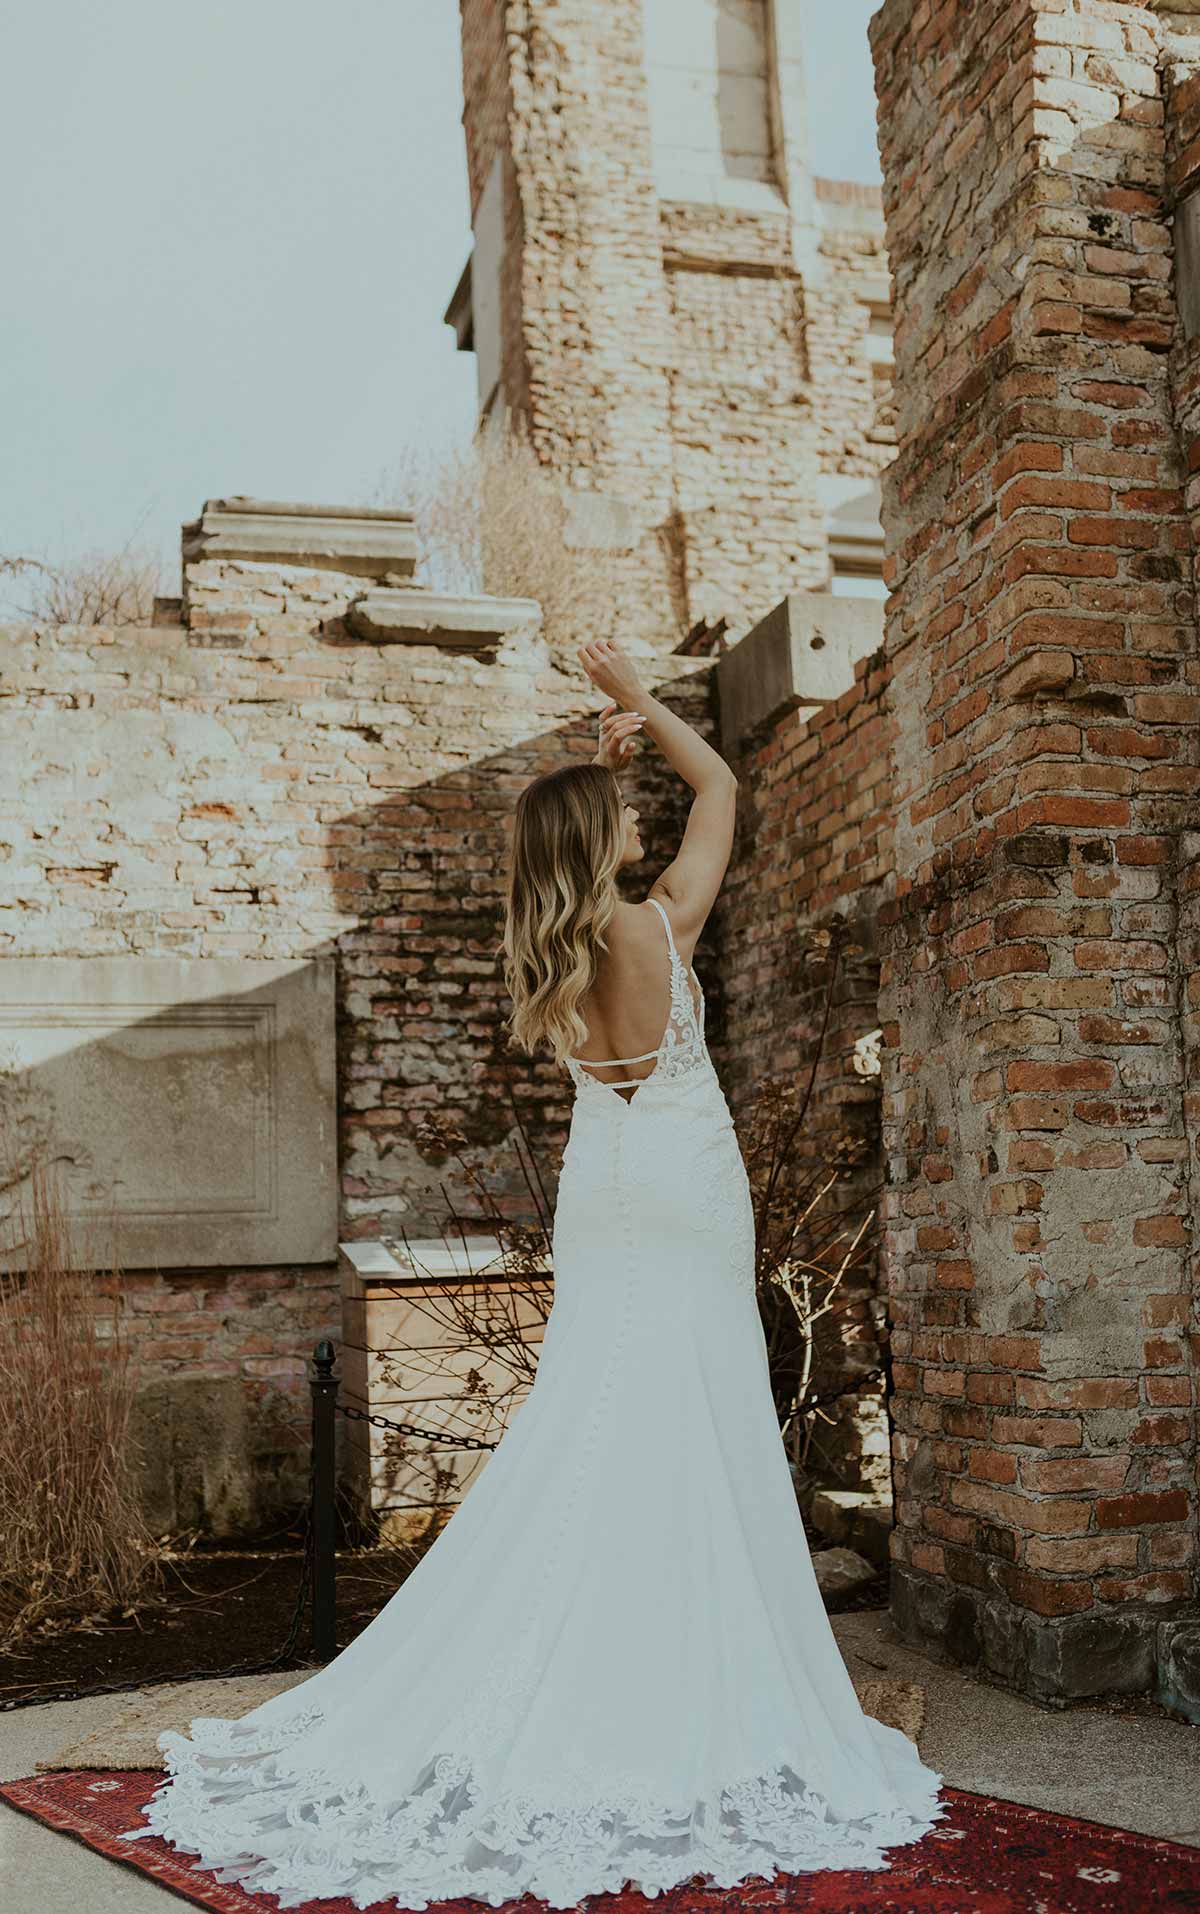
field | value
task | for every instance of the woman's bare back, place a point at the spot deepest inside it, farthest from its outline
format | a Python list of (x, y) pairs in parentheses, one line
[(627, 1008)]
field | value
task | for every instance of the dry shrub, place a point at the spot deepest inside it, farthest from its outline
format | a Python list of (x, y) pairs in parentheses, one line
[(94, 588), (492, 518), (73, 1542)]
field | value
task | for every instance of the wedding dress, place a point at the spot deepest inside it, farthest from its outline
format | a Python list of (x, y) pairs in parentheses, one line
[(614, 1665)]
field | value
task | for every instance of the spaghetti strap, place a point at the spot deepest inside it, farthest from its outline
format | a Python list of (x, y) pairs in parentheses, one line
[(666, 920)]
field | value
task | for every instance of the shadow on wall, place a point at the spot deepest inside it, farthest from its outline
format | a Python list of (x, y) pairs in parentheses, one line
[(335, 812)]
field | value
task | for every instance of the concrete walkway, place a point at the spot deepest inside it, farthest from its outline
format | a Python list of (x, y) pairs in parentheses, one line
[(1119, 1763)]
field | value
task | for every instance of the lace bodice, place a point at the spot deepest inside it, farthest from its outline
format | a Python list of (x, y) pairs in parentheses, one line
[(681, 1047)]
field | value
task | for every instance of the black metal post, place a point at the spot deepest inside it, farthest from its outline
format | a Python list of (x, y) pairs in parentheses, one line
[(324, 1386)]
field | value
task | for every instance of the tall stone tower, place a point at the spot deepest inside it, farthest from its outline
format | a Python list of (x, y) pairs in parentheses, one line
[(690, 327)]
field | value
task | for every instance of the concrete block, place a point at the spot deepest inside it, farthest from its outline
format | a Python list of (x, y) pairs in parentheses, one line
[(408, 1355), (853, 1517), (189, 1103), (191, 1442), (1075, 1656), (802, 653), (935, 1617)]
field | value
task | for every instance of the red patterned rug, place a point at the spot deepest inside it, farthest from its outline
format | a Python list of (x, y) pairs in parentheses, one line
[(984, 1857)]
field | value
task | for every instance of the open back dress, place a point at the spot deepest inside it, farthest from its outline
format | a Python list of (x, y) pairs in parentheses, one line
[(613, 1666)]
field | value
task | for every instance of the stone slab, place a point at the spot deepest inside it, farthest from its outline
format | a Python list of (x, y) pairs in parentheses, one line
[(369, 544), (418, 617), (190, 1102), (1124, 1766)]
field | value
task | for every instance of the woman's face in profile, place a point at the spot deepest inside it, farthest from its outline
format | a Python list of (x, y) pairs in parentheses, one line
[(633, 850)]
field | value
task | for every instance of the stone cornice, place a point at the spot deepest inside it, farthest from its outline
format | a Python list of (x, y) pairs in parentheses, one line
[(362, 543)]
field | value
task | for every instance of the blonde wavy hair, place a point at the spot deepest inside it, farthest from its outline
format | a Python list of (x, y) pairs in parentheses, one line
[(567, 844)]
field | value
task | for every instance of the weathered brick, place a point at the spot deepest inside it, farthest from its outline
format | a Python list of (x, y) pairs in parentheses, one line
[(1140, 1510), (1039, 1432)]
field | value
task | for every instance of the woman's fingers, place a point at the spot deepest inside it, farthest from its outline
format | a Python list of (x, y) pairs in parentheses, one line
[(621, 721)]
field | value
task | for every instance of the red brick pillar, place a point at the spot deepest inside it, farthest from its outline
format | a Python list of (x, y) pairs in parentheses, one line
[(1043, 645)]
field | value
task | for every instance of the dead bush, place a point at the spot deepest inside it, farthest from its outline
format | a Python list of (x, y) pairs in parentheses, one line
[(492, 518), (73, 1543), (93, 588)]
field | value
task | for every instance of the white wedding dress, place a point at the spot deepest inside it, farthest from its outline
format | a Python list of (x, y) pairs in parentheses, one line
[(614, 1665)]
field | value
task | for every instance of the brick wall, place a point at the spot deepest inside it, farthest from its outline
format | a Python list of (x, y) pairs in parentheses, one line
[(1042, 645), (266, 785), (814, 846)]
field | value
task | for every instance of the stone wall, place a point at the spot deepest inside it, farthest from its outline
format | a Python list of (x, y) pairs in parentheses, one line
[(263, 783), (1042, 650), (685, 329)]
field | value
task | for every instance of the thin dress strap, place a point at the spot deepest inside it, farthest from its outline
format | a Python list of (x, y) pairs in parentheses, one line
[(604, 1063), (666, 920)]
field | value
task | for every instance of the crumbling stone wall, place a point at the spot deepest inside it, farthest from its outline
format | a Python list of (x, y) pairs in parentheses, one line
[(262, 783), (1042, 645), (706, 365)]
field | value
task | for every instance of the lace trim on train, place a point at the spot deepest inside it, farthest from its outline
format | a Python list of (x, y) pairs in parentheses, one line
[(309, 1834)]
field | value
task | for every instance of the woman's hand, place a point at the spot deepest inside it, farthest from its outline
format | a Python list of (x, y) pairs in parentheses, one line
[(611, 670), (618, 741)]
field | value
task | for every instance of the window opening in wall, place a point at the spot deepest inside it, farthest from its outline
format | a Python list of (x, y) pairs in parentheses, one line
[(708, 71), (856, 546)]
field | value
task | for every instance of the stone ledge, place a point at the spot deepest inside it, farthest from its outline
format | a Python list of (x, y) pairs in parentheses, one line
[(1124, 1650), (855, 1519), (419, 617), (340, 538), (433, 1260)]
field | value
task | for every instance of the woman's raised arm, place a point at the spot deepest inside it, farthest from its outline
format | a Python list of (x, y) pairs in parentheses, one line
[(689, 884)]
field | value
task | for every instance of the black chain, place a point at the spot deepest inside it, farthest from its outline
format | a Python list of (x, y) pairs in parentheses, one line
[(409, 1429)]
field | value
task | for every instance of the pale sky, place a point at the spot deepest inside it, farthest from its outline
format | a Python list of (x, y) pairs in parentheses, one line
[(230, 236)]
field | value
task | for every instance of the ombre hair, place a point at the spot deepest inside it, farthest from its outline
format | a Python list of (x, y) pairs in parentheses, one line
[(567, 847)]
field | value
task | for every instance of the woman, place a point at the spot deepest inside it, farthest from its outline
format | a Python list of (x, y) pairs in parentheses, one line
[(614, 1665)]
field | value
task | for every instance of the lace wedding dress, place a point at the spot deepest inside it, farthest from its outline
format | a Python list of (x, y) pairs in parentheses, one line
[(614, 1665)]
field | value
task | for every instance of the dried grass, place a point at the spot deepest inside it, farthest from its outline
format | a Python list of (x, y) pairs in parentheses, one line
[(490, 517), (73, 1542), (94, 588)]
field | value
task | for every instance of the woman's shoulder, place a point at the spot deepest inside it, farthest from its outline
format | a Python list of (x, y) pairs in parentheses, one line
[(641, 920)]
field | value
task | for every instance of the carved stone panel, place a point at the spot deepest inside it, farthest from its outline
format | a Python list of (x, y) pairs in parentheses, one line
[(188, 1104)]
